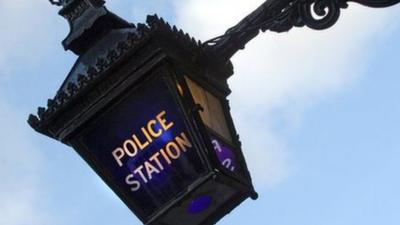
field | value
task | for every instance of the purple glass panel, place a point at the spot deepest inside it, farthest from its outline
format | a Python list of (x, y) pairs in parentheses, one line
[(199, 204), (225, 154)]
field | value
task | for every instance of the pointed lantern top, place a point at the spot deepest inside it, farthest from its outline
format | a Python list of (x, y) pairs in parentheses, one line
[(89, 20), (65, 3), (59, 2)]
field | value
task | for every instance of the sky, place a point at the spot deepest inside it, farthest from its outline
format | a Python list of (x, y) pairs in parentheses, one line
[(317, 113)]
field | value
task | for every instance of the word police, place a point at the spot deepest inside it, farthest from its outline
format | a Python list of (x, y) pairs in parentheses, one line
[(156, 163)]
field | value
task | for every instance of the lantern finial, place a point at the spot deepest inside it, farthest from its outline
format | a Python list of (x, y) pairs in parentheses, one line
[(84, 18), (59, 2)]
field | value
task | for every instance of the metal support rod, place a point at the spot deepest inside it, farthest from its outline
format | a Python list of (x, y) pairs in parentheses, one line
[(281, 16)]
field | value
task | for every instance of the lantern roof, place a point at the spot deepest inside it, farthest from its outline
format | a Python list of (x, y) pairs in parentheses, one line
[(117, 46)]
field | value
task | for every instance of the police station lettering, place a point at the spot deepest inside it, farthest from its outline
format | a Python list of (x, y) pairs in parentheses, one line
[(154, 165)]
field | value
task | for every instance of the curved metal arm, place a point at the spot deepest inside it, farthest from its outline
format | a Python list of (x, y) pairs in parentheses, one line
[(281, 16)]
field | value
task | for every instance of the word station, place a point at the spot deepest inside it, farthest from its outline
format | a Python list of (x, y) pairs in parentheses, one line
[(153, 130)]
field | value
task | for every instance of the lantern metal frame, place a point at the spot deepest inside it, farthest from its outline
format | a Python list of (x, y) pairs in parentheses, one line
[(129, 55)]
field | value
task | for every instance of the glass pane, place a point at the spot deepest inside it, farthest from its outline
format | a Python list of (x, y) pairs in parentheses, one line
[(212, 114), (144, 145)]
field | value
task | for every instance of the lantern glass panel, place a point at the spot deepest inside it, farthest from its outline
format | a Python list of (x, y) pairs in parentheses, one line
[(214, 118), (144, 146), (212, 113)]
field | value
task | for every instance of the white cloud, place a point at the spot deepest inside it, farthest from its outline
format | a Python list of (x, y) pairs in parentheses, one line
[(279, 76), (279, 71)]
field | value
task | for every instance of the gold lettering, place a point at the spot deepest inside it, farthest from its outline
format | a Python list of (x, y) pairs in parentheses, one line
[(172, 145), (165, 156), (140, 172), (130, 180), (118, 155), (150, 169), (141, 146), (183, 142), (157, 160), (150, 127), (126, 145), (161, 119), (146, 134)]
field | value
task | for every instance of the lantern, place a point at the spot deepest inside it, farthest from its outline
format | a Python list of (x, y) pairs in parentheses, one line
[(147, 109)]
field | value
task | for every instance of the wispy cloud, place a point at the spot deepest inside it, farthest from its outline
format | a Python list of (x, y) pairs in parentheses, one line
[(283, 75), (279, 76)]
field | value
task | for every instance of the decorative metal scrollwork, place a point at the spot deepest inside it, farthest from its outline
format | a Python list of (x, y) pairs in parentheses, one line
[(328, 12), (318, 14), (281, 16)]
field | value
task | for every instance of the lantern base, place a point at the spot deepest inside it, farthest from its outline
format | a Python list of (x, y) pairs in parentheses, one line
[(211, 200)]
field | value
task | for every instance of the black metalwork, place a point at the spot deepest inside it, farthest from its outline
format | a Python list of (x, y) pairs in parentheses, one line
[(58, 2), (64, 3), (281, 16), (79, 81), (116, 57)]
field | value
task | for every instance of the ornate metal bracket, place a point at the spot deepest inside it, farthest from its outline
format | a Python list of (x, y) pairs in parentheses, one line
[(281, 16)]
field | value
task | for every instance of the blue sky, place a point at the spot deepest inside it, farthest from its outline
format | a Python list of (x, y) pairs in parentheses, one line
[(317, 113)]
